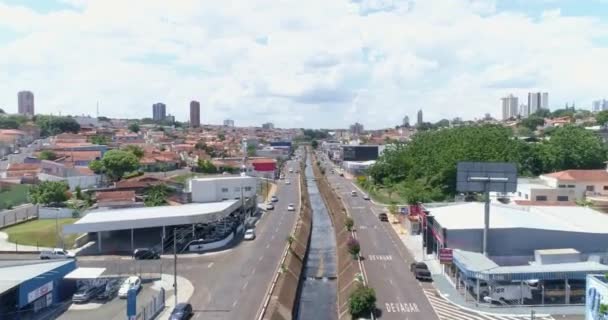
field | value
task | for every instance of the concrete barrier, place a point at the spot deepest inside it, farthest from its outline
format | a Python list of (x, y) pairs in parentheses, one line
[(18, 215)]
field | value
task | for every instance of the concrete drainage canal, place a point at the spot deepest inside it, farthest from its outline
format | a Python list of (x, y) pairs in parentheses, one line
[(317, 299)]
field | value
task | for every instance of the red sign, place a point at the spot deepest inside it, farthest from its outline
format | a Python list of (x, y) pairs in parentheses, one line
[(446, 255)]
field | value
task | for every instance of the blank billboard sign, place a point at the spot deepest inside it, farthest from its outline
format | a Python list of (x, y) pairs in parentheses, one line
[(360, 153), (473, 177)]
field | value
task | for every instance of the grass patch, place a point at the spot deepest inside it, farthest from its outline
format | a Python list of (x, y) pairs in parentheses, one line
[(13, 196), (41, 233), (380, 195)]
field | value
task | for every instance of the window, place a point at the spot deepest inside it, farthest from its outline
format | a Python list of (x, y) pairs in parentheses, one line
[(541, 198), (224, 190), (247, 188), (562, 198), (570, 186), (561, 186), (590, 188)]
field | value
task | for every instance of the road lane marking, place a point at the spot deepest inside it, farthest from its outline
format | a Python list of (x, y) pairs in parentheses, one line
[(401, 307), (374, 257), (245, 285), (210, 265), (234, 303), (260, 259), (272, 238), (268, 246)]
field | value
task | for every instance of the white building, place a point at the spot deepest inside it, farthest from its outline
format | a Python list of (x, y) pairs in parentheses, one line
[(509, 107), (537, 100), (221, 188)]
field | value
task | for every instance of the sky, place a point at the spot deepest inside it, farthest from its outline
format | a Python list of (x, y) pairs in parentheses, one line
[(305, 64)]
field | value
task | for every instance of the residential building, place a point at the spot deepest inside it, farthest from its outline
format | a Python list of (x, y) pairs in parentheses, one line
[(222, 188), (268, 126), (159, 111), (536, 101), (509, 107), (117, 199), (524, 112), (195, 114), (600, 105), (356, 129), (229, 123), (170, 118), (406, 122), (25, 100), (419, 118)]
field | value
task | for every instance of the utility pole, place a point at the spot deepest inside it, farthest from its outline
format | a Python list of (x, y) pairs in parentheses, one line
[(174, 266)]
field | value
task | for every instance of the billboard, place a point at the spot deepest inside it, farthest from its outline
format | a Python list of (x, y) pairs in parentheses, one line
[(359, 153), (446, 255)]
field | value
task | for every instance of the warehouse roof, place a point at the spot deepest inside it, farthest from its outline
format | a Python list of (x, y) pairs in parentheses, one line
[(469, 215), (149, 217), (13, 273)]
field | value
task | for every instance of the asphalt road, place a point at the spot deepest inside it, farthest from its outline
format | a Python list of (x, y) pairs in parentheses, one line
[(386, 260)]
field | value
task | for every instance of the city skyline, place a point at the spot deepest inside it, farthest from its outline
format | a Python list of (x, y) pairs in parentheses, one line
[(331, 78)]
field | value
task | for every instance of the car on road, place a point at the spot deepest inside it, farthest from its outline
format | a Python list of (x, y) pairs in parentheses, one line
[(382, 216), (181, 311), (291, 207), (421, 271), (290, 170), (341, 174), (110, 290), (132, 282), (353, 193), (145, 254), (57, 253), (269, 206), (365, 197), (274, 199), (249, 234), (86, 293), (287, 182), (17, 152)]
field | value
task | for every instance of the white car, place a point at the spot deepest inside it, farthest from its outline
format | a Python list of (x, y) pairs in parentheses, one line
[(131, 282), (269, 206), (287, 182), (291, 207), (365, 197), (249, 234), (56, 253)]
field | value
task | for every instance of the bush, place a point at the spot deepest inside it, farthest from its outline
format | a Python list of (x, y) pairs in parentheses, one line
[(353, 247), (349, 224), (362, 302)]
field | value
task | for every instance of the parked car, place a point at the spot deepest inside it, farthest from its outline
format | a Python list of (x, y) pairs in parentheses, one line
[(269, 206), (181, 311), (249, 234), (145, 254), (291, 207), (290, 170), (274, 199), (353, 193), (131, 282), (421, 271), (110, 290), (382, 216), (86, 293), (56, 253), (341, 174), (287, 182), (365, 197)]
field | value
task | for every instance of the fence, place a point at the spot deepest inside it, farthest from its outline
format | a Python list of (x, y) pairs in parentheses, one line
[(153, 307), (17, 215), (54, 213)]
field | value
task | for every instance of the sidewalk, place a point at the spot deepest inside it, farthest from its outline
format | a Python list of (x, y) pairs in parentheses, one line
[(184, 292)]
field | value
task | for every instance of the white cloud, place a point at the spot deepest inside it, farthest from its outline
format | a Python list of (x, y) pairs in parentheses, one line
[(314, 63)]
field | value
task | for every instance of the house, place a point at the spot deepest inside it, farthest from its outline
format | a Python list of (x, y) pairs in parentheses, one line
[(78, 158), (20, 170), (74, 176), (117, 199)]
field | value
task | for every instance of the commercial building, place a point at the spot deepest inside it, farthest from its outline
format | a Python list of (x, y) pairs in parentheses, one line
[(229, 123), (268, 126), (509, 107), (221, 188), (406, 122), (25, 101), (159, 111), (29, 288), (195, 114), (419, 118), (356, 129)]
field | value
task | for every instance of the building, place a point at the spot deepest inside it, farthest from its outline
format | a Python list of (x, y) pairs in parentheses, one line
[(222, 188), (268, 126), (159, 111), (406, 122), (536, 101), (195, 114), (596, 295), (360, 153), (356, 129), (509, 107), (600, 105), (419, 118), (229, 123), (25, 101), (28, 288)]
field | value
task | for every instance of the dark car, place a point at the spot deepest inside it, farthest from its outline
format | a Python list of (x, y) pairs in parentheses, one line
[(181, 311), (145, 254), (421, 271), (110, 290), (84, 294), (383, 216)]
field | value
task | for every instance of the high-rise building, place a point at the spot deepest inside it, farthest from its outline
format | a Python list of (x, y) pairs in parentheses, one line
[(229, 123), (537, 100), (509, 107), (159, 111), (544, 101), (25, 101), (524, 112), (600, 105), (195, 114), (406, 122), (356, 128), (268, 126), (419, 119)]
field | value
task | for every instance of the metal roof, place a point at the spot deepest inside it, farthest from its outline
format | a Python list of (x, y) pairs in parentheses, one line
[(148, 217), (85, 273), (469, 215), (13, 273)]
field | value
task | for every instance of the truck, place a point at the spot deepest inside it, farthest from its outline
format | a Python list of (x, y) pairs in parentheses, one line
[(504, 292)]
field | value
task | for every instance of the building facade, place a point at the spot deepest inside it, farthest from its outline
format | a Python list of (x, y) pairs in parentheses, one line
[(229, 123), (406, 122), (25, 100), (419, 119), (356, 129), (195, 114), (268, 126), (159, 111), (221, 188), (536, 101), (600, 105), (510, 104)]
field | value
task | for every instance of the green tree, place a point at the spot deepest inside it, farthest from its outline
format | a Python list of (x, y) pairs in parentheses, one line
[(102, 118), (221, 136), (96, 166), (78, 193), (443, 123), (135, 150), (532, 122), (53, 125), (47, 155), (99, 139), (8, 123), (362, 302), (314, 144), (353, 247), (602, 117), (573, 147), (134, 127), (118, 162), (349, 223), (251, 150), (543, 113), (156, 196), (49, 192), (206, 166)]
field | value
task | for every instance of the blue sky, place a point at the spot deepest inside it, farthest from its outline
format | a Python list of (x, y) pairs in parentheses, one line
[(301, 64)]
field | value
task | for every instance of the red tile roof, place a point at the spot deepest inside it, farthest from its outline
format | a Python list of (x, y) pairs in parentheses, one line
[(115, 196), (23, 167), (580, 175)]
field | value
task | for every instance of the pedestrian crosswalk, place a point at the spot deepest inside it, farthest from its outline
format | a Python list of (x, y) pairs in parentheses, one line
[(448, 311)]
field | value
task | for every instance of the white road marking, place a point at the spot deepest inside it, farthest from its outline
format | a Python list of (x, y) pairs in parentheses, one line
[(268, 246), (210, 265), (272, 238), (401, 307), (245, 285), (260, 259), (234, 303), (374, 257)]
